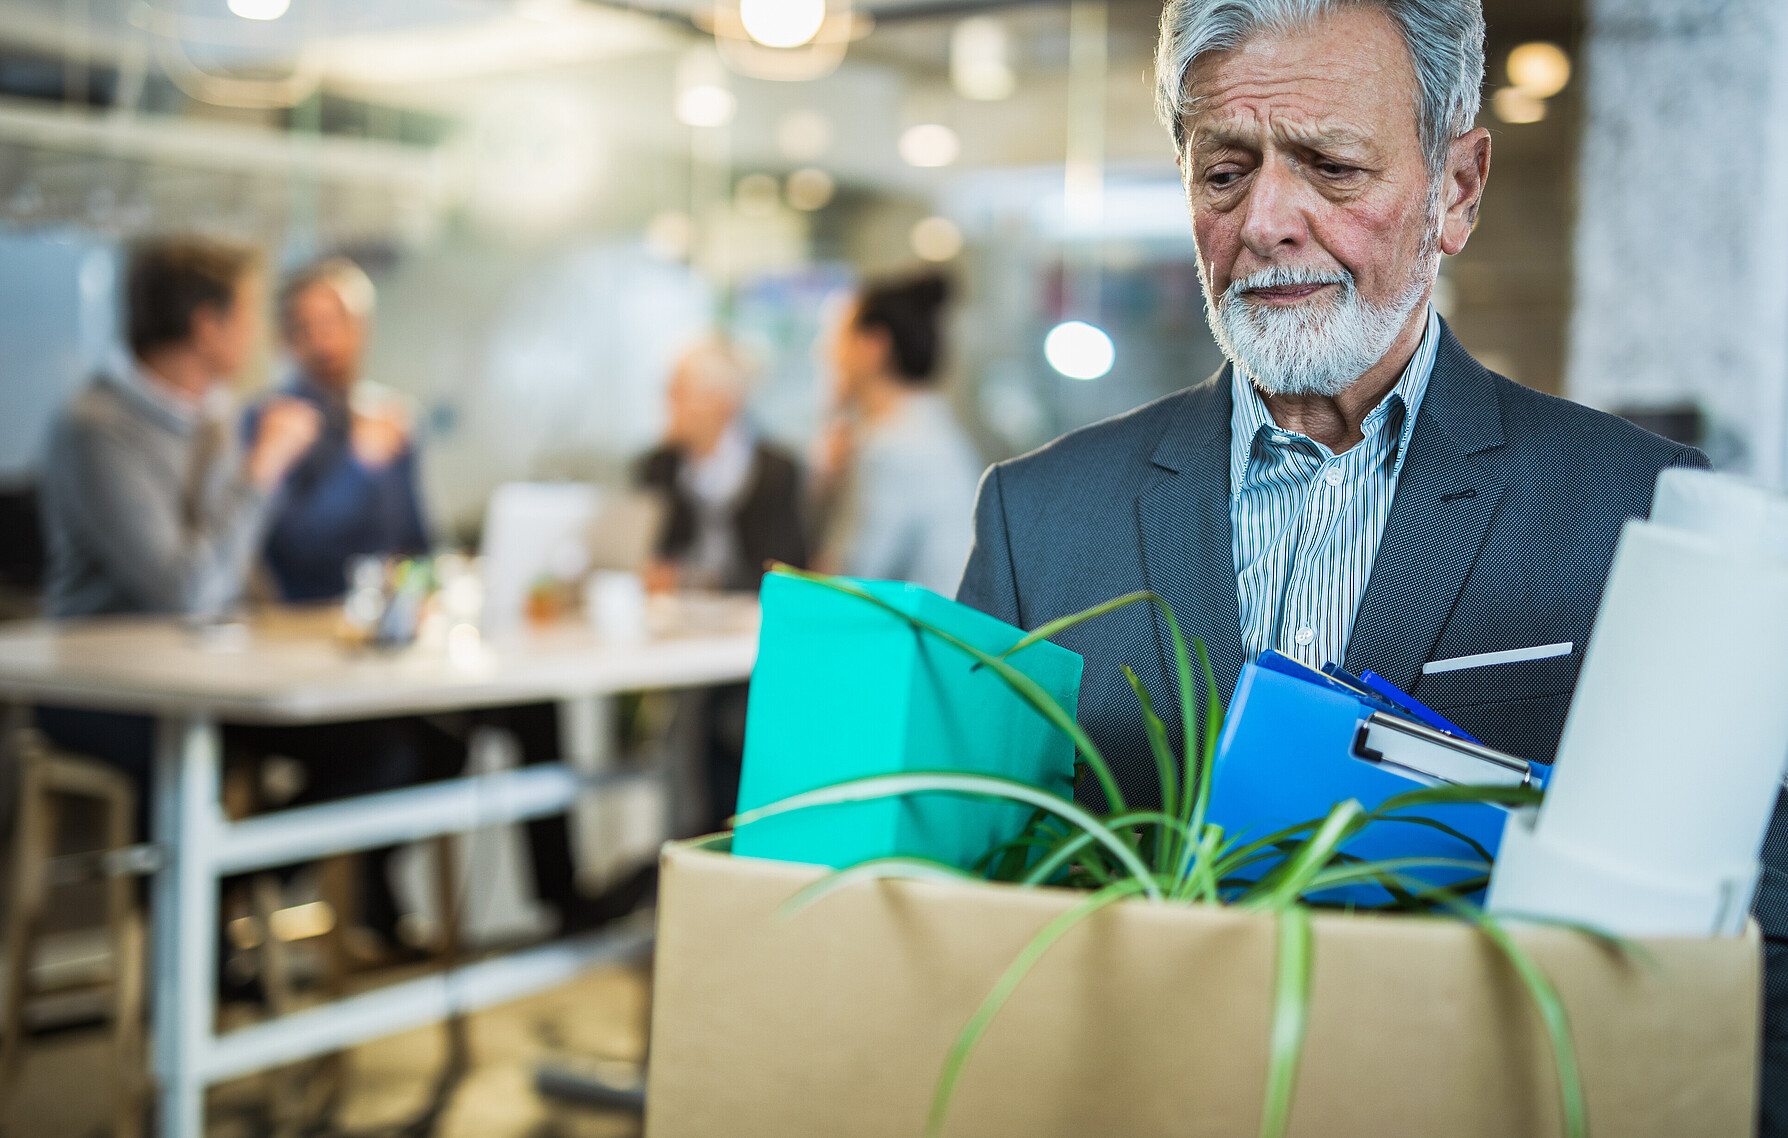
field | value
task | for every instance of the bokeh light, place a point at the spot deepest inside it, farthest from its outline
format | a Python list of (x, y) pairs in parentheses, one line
[(980, 67), (1514, 105), (260, 9), (1541, 69), (706, 104), (929, 145), (937, 239), (803, 135), (809, 189), (782, 23), (1079, 350)]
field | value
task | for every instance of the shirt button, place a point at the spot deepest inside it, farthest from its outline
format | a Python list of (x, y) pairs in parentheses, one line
[(1332, 476), (1304, 636)]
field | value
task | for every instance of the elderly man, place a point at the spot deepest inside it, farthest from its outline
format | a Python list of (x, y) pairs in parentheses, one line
[(1352, 486), (734, 500), (354, 492)]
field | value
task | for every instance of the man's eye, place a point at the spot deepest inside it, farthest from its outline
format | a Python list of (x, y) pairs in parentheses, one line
[(1222, 178), (1334, 169)]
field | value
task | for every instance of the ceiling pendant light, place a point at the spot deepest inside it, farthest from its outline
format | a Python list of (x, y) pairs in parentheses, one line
[(789, 40), (260, 9), (782, 23)]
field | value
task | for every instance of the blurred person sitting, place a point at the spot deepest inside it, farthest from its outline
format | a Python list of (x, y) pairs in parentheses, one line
[(735, 501), (151, 506), (353, 493), (898, 465)]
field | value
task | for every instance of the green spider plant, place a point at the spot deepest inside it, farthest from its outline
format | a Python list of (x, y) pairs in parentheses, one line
[(1171, 856)]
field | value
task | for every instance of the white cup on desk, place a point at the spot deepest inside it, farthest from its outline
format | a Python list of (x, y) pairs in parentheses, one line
[(615, 603)]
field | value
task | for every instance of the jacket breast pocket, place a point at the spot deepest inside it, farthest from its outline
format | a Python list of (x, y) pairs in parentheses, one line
[(1500, 683)]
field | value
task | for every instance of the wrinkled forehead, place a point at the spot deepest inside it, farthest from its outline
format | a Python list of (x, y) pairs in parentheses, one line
[(1343, 79), (318, 298)]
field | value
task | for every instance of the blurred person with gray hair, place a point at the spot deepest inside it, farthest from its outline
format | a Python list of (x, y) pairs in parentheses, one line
[(734, 500), (735, 503), (354, 493), (1352, 487)]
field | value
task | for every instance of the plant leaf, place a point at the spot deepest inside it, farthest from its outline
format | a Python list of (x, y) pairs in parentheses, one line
[(1291, 1016), (1182, 667), (1158, 746), (907, 868), (1003, 988), (1067, 849), (1213, 731), (1388, 871), (1477, 847), (1552, 1015), (957, 782), (1460, 792), (1063, 624), (1342, 822)]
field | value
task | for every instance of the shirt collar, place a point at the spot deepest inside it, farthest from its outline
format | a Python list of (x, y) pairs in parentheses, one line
[(152, 396), (717, 478), (1249, 418)]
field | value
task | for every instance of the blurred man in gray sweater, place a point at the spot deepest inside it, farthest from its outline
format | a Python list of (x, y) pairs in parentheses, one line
[(149, 505)]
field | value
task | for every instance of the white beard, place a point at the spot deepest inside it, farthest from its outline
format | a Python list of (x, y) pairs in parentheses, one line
[(1314, 348)]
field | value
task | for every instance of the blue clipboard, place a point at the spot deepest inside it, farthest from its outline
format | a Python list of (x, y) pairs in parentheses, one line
[(1288, 755)]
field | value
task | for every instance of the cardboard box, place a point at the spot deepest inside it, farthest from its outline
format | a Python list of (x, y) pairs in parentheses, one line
[(1149, 1020), (844, 689)]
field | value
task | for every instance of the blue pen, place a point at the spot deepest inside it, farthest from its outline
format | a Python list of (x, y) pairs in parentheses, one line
[(1415, 707)]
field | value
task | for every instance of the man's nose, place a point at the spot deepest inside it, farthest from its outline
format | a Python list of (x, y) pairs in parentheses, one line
[(1275, 218)]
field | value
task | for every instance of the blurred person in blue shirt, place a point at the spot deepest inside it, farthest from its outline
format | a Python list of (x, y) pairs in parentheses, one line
[(354, 492)]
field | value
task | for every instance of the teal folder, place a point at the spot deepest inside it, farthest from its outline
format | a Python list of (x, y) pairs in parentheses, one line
[(844, 689)]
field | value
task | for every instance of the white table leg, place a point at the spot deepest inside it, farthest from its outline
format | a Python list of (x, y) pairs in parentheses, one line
[(586, 732), (187, 822)]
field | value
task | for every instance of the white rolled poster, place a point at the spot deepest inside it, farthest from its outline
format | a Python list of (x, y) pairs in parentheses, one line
[(1674, 746)]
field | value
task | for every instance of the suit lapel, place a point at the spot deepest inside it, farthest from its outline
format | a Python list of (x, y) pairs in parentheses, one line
[(1184, 524), (1446, 498)]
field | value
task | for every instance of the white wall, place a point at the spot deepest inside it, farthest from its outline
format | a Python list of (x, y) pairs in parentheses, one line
[(58, 325), (1682, 233)]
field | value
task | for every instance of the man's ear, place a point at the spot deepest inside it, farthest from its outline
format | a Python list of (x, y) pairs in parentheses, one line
[(1462, 188), (206, 320)]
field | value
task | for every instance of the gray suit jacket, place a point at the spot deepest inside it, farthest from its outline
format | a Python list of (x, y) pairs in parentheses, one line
[(1500, 536)]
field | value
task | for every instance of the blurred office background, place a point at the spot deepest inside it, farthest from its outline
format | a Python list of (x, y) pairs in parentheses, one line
[(555, 197)]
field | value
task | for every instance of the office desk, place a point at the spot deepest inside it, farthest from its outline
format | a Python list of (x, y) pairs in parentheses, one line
[(287, 667)]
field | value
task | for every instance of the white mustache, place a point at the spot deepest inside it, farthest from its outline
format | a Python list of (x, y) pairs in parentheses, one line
[(1279, 276)]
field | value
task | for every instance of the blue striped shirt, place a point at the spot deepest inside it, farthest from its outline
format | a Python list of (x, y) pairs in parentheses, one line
[(1306, 521)]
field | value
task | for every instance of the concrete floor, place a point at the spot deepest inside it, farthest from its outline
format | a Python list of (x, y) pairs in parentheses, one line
[(65, 1089)]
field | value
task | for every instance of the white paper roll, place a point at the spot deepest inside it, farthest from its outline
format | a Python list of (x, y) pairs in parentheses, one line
[(1674, 746), (1727, 509)]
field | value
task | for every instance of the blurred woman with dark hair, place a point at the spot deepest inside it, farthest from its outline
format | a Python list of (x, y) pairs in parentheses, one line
[(904, 472)]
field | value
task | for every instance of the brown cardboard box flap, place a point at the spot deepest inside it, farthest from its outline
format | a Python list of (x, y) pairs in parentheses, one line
[(1152, 1020)]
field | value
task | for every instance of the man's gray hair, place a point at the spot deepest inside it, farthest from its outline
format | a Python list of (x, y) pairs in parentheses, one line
[(1445, 40), (719, 365), (347, 280)]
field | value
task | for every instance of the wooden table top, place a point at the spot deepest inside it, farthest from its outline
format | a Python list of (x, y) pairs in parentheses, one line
[(292, 666)]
